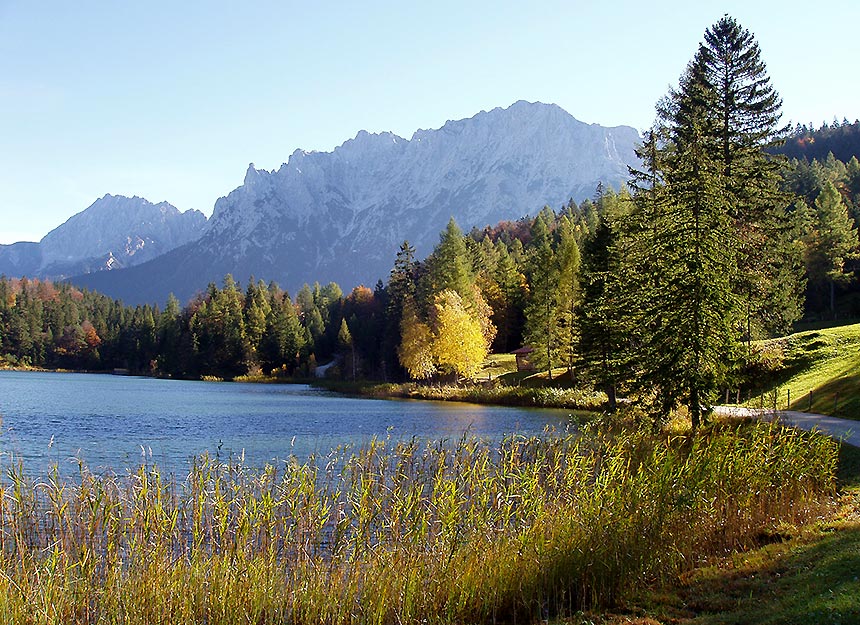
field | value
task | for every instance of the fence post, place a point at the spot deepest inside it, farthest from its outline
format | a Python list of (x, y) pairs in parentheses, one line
[(810, 402), (788, 405), (727, 395), (738, 401)]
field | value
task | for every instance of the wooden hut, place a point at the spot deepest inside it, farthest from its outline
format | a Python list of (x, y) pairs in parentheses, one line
[(523, 355)]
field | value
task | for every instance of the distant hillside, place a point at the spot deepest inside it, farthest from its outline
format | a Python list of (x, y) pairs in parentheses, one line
[(843, 140)]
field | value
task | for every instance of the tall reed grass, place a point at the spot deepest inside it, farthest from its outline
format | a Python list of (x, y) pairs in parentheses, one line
[(399, 532)]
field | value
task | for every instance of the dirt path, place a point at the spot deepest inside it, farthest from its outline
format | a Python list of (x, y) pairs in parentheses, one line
[(844, 430)]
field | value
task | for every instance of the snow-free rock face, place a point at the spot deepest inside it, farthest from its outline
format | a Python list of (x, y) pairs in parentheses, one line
[(114, 232), (341, 215)]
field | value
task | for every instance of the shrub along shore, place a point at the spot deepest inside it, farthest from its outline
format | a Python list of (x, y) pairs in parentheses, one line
[(395, 532)]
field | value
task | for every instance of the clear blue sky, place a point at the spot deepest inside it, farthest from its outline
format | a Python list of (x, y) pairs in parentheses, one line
[(172, 100)]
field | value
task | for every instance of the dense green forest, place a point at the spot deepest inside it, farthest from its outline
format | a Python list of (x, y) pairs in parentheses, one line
[(657, 289)]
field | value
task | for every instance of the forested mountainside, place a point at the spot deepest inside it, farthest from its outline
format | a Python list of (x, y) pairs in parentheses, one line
[(842, 139)]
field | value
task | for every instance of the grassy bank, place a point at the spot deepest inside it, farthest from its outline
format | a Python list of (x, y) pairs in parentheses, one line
[(820, 368), (403, 533), (527, 396), (809, 574), (498, 383)]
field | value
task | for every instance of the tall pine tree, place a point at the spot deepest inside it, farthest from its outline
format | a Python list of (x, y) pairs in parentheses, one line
[(743, 113), (708, 199)]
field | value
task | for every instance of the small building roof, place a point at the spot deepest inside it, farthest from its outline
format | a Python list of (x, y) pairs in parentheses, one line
[(523, 350)]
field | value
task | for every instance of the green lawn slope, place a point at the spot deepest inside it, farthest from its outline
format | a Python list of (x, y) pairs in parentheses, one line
[(818, 369)]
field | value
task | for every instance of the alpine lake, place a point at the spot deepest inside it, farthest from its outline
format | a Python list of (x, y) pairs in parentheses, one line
[(117, 423)]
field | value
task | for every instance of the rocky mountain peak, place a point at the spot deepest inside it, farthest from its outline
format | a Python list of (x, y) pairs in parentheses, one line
[(113, 232), (341, 215)]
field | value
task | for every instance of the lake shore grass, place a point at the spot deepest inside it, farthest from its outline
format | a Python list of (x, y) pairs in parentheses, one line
[(495, 394), (392, 532), (807, 574)]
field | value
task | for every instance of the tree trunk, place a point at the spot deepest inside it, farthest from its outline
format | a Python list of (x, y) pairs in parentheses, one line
[(611, 398), (695, 409), (548, 342), (833, 298)]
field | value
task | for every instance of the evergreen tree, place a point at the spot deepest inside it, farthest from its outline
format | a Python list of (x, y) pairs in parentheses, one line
[(681, 232), (602, 344), (400, 290), (218, 328), (832, 240), (508, 307), (542, 331), (18, 338), (256, 311), (363, 310), (169, 332), (305, 303), (450, 264), (344, 340), (743, 112), (283, 337), (852, 185), (590, 214), (707, 200)]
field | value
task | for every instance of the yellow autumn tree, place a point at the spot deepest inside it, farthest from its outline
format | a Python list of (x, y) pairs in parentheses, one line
[(416, 350), (459, 346)]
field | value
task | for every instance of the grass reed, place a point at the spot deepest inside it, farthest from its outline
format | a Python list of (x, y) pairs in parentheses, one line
[(400, 532), (496, 394)]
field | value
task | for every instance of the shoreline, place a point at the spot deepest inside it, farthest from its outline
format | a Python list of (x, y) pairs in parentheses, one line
[(517, 396), (499, 395)]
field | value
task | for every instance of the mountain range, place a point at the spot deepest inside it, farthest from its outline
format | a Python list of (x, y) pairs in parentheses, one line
[(341, 215), (113, 233)]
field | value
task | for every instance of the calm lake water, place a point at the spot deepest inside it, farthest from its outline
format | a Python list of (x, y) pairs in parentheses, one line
[(107, 421)]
